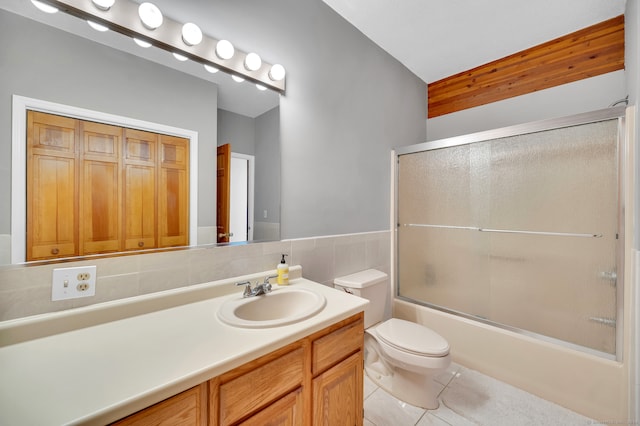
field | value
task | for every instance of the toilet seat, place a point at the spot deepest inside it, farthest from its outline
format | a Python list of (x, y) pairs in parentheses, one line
[(413, 338)]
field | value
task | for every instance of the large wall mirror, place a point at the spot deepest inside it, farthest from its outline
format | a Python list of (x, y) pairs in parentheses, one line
[(60, 59)]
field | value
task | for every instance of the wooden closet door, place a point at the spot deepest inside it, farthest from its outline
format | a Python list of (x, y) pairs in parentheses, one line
[(173, 192), (52, 221), (100, 187), (140, 181)]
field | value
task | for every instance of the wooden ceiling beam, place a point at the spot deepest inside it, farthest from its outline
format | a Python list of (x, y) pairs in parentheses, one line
[(589, 52)]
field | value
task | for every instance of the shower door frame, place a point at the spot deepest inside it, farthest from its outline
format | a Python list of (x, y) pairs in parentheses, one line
[(612, 113)]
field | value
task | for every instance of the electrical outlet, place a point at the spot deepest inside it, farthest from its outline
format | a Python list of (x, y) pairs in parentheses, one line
[(74, 282)]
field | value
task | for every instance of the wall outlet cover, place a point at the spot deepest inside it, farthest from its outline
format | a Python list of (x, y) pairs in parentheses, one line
[(74, 282)]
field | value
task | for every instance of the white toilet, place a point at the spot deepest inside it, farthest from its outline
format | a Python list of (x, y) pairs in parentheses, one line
[(401, 357)]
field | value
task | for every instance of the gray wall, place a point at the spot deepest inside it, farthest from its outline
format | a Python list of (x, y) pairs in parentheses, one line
[(267, 195), (347, 103), (259, 137), (237, 130), (111, 81)]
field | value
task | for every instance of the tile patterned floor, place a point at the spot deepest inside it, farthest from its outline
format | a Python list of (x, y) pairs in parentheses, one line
[(468, 398)]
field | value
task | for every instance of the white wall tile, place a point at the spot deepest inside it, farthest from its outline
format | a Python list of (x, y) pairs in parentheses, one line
[(26, 290)]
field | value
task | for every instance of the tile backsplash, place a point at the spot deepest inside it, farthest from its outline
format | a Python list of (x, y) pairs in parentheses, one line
[(26, 290)]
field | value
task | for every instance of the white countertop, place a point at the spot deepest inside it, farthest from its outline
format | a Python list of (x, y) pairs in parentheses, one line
[(88, 366)]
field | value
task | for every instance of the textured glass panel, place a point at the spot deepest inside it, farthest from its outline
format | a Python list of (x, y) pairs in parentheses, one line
[(452, 200), (434, 187), (562, 180), (444, 267), (553, 286)]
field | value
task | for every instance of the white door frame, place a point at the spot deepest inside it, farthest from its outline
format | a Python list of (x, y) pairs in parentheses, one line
[(250, 189)]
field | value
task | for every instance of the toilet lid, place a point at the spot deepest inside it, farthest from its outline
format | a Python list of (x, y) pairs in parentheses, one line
[(412, 337)]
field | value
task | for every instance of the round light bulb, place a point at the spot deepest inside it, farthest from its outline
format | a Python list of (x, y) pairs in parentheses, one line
[(44, 7), (179, 57), (103, 4), (261, 87), (142, 43), (150, 15), (191, 34), (252, 62), (277, 72), (237, 79), (98, 27), (211, 69), (224, 49)]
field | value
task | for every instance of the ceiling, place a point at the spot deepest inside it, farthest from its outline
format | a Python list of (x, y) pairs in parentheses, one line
[(438, 38), (432, 38)]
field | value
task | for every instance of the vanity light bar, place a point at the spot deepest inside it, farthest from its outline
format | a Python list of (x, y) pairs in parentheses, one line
[(122, 17)]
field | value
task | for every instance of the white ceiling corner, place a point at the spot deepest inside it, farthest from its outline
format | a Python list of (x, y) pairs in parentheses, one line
[(438, 38)]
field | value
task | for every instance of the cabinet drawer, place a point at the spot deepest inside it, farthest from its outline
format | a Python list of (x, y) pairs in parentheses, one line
[(336, 346), (260, 386)]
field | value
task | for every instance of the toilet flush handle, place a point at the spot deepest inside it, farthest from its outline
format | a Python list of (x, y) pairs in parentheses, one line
[(347, 290)]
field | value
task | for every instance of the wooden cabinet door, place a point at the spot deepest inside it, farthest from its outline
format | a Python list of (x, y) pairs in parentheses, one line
[(223, 194), (173, 192), (287, 411), (261, 383), (99, 187), (52, 165), (338, 394), (140, 215), (188, 408)]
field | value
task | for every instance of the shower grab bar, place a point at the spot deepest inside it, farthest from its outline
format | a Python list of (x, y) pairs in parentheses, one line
[(505, 231)]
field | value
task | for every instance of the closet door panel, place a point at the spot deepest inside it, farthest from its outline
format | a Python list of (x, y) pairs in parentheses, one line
[(173, 192), (51, 182), (52, 220), (100, 189), (140, 189), (139, 211)]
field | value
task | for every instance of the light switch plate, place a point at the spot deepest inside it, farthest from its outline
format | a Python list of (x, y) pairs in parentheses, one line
[(74, 282)]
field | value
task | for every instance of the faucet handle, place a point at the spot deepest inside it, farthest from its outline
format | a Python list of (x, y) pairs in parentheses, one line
[(247, 289), (270, 277)]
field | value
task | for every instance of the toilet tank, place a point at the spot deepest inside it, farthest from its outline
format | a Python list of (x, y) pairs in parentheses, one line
[(372, 285)]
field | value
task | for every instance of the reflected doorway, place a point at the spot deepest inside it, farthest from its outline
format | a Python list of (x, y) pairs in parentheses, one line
[(235, 194), (241, 197)]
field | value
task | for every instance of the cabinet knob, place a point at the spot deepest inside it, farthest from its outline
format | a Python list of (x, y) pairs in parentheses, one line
[(55, 251), (141, 244)]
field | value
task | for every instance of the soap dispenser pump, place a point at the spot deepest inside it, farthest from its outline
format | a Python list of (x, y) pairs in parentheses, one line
[(283, 272)]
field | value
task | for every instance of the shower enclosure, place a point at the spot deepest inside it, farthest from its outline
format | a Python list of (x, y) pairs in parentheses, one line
[(519, 228)]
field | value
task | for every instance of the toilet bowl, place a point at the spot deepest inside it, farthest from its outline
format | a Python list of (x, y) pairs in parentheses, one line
[(400, 356), (410, 365)]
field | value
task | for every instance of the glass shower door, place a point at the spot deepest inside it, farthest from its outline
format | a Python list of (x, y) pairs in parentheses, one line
[(519, 231)]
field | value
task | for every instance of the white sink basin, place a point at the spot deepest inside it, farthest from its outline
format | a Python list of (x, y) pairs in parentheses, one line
[(284, 305)]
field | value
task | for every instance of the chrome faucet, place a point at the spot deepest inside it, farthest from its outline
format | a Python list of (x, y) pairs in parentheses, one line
[(259, 289)]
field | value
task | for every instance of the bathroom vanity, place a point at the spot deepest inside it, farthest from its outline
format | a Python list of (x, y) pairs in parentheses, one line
[(166, 357)]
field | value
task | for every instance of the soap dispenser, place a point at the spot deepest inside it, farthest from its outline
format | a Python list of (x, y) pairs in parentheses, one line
[(283, 272)]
